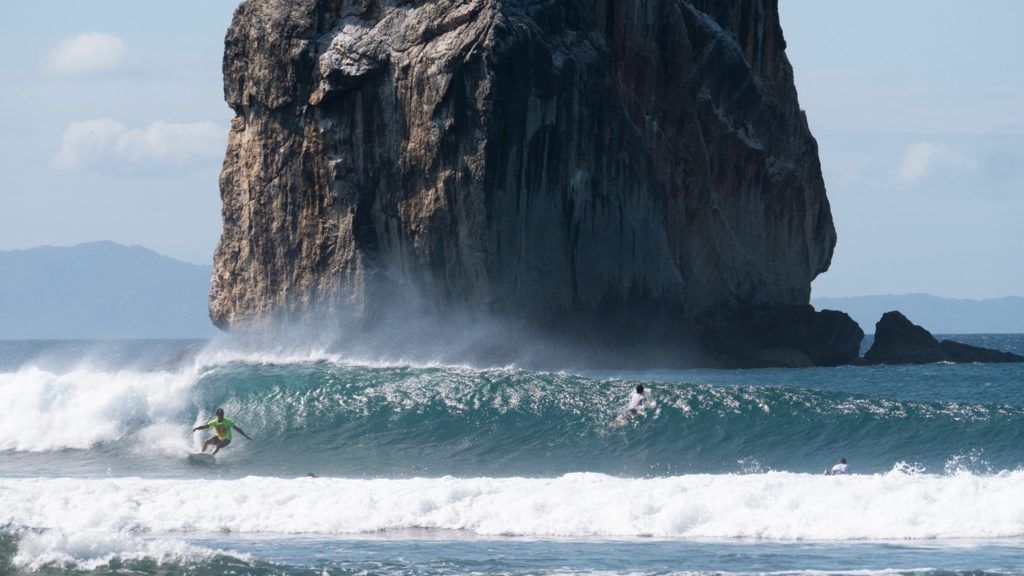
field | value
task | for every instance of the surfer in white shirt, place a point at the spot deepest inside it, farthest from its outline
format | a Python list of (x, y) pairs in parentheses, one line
[(637, 401), (839, 468)]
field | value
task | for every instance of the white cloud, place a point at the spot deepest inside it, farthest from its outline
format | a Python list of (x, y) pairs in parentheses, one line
[(921, 159), (108, 143), (86, 54)]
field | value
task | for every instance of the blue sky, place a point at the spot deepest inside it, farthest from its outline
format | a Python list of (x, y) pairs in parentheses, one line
[(918, 108), (124, 143), (112, 126)]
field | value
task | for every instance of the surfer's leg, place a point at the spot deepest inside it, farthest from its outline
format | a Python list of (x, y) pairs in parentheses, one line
[(207, 443)]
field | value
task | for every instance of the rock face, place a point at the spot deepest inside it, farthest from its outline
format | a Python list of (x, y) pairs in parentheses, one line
[(540, 161), (900, 341), (788, 336)]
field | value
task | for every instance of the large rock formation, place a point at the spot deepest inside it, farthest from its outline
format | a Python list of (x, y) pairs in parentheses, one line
[(900, 341), (550, 162)]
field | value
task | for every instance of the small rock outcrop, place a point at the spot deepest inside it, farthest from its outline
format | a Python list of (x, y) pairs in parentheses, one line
[(900, 341), (557, 164), (960, 352)]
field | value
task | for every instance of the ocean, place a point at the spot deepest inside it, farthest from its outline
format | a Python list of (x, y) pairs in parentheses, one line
[(385, 466)]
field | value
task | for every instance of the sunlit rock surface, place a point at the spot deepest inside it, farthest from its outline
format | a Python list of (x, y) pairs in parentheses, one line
[(573, 165)]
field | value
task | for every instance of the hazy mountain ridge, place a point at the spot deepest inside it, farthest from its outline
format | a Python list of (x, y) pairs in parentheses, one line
[(939, 315), (101, 290)]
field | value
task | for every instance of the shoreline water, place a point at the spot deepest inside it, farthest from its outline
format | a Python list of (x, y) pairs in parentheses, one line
[(410, 554)]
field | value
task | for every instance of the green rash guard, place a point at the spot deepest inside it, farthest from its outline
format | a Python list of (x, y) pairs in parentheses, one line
[(222, 428)]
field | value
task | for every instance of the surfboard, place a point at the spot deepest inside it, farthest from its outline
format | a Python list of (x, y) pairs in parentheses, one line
[(623, 418), (201, 458)]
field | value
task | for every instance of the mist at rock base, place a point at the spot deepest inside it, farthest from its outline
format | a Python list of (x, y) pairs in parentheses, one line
[(400, 333)]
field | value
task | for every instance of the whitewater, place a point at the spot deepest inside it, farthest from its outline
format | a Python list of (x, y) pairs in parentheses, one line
[(775, 505), (387, 466)]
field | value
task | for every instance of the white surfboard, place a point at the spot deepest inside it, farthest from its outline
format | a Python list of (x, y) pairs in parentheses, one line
[(625, 417), (201, 458)]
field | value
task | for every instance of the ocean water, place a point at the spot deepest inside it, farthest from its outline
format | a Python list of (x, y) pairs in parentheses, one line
[(374, 466)]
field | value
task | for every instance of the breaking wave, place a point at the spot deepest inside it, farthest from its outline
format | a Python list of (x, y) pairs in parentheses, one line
[(333, 418)]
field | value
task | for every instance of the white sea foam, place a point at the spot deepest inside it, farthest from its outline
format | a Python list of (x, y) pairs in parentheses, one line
[(781, 506), (92, 550), (221, 353), (80, 408)]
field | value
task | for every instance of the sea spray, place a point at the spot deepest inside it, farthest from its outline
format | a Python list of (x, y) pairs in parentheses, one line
[(82, 408)]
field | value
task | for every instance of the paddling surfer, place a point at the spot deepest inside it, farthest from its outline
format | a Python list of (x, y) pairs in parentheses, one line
[(839, 468), (637, 401), (222, 428)]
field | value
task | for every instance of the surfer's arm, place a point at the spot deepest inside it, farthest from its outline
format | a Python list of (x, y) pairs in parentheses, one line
[(203, 427), (241, 432)]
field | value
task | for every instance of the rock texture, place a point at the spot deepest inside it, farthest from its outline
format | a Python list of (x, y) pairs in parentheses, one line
[(789, 336), (900, 341), (541, 161)]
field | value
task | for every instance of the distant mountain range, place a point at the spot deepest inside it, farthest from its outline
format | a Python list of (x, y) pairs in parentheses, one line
[(101, 290), (938, 315), (107, 290)]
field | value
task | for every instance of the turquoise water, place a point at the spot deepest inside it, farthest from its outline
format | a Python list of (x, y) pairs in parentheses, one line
[(383, 467)]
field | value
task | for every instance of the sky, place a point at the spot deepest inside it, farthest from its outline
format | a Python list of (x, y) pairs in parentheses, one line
[(112, 123), (918, 108), (113, 127)]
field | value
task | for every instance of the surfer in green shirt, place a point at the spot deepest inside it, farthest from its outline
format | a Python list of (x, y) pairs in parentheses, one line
[(222, 431)]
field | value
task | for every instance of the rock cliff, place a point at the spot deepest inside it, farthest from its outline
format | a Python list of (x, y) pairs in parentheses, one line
[(541, 161)]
